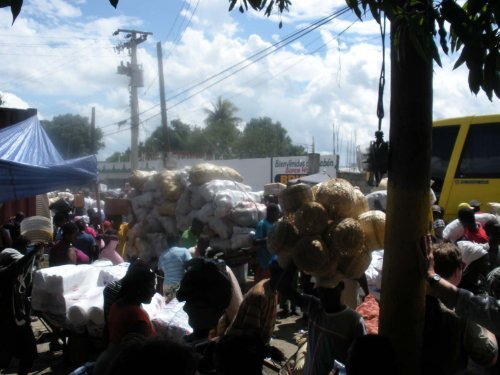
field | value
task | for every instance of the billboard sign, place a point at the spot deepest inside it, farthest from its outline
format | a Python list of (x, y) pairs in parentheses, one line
[(291, 167)]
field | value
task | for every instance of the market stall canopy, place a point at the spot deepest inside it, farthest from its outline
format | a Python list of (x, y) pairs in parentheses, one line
[(311, 179), (31, 165)]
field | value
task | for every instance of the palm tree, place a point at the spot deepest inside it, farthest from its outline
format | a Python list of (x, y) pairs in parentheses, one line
[(222, 127)]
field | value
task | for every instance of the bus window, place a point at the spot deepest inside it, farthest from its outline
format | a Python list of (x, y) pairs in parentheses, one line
[(443, 141), (481, 153)]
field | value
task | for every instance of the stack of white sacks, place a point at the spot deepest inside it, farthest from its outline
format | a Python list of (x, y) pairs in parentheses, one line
[(166, 202), (73, 295)]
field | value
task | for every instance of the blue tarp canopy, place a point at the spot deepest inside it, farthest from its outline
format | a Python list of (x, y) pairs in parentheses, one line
[(31, 165)]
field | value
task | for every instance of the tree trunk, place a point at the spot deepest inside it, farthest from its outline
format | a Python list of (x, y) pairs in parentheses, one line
[(403, 286)]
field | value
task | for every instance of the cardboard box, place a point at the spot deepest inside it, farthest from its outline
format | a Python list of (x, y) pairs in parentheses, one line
[(116, 206)]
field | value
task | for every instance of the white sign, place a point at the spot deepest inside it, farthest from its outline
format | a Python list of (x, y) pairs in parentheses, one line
[(291, 167)]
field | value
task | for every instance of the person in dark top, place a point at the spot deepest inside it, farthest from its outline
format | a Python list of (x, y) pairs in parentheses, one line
[(332, 327), (148, 355), (16, 338), (85, 242), (63, 252), (207, 291), (5, 240), (14, 225), (240, 352), (473, 230), (126, 315)]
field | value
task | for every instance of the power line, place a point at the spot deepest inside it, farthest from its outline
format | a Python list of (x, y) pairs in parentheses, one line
[(188, 2), (188, 23), (33, 76), (253, 58), (280, 44), (175, 20), (177, 41), (243, 67), (274, 76)]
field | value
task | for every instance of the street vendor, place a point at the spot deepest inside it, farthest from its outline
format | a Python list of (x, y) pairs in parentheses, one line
[(332, 326), (263, 228)]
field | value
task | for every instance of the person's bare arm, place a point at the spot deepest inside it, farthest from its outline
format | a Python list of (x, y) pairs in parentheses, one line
[(442, 289)]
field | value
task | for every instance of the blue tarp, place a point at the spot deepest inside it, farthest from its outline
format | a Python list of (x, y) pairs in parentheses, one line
[(31, 165)]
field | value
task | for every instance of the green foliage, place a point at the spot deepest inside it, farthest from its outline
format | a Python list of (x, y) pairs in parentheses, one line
[(473, 30), (16, 5), (263, 138), (71, 135), (222, 131), (221, 137), (119, 156)]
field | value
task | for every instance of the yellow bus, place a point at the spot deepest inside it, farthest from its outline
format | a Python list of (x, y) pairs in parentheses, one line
[(465, 162)]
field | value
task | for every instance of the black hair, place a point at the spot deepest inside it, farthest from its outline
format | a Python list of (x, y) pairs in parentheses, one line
[(205, 280), (466, 215), (20, 216), (138, 275), (69, 228)]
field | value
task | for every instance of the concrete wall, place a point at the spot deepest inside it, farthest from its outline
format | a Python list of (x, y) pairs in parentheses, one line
[(256, 172)]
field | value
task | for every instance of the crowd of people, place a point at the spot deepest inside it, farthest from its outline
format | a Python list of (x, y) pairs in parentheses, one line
[(232, 331)]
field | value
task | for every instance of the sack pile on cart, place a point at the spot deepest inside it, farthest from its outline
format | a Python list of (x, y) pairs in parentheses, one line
[(327, 231), (166, 202), (73, 294)]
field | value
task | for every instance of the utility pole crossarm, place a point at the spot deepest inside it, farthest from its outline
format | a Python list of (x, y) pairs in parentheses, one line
[(134, 72)]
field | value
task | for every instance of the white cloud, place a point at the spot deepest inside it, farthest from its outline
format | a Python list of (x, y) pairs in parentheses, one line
[(13, 101), (51, 9), (65, 63)]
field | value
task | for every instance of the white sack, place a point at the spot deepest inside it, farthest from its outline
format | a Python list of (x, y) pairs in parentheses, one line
[(210, 189), (226, 200), (221, 227)]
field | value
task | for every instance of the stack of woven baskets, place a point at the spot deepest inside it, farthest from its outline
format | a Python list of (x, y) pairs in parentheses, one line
[(327, 230)]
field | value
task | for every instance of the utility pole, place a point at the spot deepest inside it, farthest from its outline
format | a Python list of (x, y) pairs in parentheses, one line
[(134, 71), (163, 106), (93, 146)]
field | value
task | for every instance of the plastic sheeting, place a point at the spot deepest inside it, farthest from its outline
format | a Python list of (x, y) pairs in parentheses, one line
[(31, 165)]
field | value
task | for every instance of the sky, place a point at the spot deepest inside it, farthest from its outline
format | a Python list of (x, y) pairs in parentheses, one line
[(59, 57)]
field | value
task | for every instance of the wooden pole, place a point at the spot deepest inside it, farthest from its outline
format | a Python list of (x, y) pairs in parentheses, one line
[(403, 286), (94, 151), (163, 106)]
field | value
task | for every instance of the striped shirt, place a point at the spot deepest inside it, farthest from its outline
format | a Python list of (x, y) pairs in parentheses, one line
[(257, 312), (330, 335)]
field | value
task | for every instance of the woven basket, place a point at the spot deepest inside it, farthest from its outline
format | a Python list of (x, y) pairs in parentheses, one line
[(293, 197), (353, 267), (311, 256), (311, 219), (348, 237), (338, 198), (360, 203), (283, 234), (373, 225), (37, 229)]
